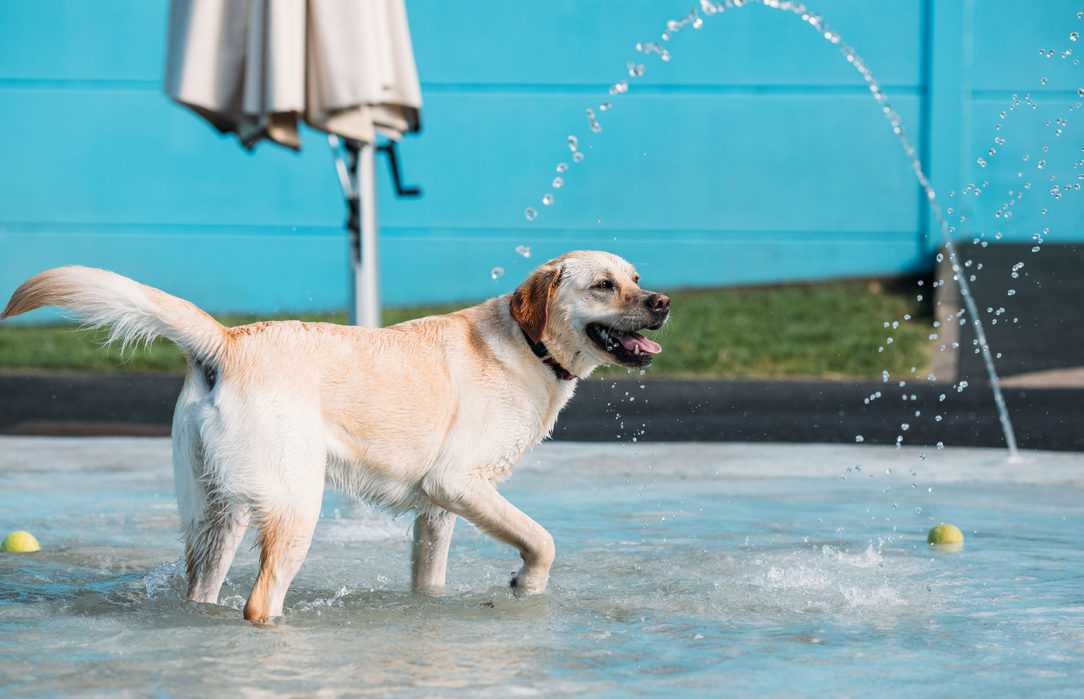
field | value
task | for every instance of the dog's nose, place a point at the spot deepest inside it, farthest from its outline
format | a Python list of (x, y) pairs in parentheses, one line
[(659, 303)]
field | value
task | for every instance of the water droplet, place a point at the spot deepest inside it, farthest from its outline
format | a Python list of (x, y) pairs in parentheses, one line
[(573, 143), (1073, 36), (1011, 292), (619, 88), (562, 167), (547, 199), (558, 182), (530, 214), (604, 107), (1043, 80), (523, 250), (496, 273), (577, 157), (859, 438)]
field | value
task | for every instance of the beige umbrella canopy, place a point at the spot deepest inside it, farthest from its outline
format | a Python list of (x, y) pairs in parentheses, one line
[(255, 67)]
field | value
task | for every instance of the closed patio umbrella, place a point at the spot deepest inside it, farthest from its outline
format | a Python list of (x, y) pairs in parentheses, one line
[(258, 67)]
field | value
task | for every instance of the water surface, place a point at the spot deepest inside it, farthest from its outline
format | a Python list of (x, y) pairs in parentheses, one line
[(682, 570)]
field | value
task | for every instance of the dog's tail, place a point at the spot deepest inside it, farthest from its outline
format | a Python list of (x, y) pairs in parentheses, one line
[(134, 312)]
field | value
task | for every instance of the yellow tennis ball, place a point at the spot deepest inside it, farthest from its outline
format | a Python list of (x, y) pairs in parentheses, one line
[(20, 542), (947, 536)]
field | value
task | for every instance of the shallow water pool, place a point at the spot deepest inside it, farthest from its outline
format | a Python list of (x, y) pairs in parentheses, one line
[(682, 570)]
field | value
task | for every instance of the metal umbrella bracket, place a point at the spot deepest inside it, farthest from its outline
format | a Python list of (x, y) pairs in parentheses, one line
[(355, 168), (257, 69)]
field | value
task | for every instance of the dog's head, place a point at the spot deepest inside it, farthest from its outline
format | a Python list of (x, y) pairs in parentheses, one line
[(588, 309)]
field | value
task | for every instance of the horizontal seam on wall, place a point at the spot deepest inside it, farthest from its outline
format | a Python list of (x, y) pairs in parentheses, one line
[(79, 83), (670, 88), (517, 88), (654, 234), (1008, 93)]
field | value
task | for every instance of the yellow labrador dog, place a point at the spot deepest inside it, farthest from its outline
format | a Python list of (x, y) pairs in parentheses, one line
[(427, 415)]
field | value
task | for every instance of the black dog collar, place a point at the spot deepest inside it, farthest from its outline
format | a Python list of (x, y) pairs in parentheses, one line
[(542, 353)]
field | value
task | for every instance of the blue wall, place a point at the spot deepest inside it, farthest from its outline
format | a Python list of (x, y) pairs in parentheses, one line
[(755, 155)]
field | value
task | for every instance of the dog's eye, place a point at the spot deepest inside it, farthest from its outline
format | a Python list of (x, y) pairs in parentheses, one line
[(604, 285)]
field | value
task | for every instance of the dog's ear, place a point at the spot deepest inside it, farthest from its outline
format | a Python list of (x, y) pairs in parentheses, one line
[(531, 301)]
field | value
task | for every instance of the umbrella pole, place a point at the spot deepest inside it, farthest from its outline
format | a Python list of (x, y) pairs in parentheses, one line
[(366, 309)]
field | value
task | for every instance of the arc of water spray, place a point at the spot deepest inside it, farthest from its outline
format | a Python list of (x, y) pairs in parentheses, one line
[(817, 22)]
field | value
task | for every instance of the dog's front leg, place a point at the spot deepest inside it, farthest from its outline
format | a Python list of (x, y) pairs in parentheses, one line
[(478, 502), (429, 559)]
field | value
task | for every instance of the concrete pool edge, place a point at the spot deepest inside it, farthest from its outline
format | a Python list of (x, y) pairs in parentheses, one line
[(680, 460), (665, 410)]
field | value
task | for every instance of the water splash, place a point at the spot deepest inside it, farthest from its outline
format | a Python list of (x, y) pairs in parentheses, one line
[(818, 23), (895, 121), (165, 579)]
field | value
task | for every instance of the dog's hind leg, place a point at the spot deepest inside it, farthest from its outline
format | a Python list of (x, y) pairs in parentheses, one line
[(286, 516), (213, 526), (285, 536), (429, 559), (209, 549)]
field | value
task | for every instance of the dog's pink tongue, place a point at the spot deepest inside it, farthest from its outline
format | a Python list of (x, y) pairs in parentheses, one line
[(633, 342)]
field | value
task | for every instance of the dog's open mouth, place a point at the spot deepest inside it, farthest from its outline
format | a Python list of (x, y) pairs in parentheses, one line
[(627, 347)]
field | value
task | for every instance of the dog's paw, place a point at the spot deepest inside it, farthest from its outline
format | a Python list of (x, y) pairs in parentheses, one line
[(527, 582)]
